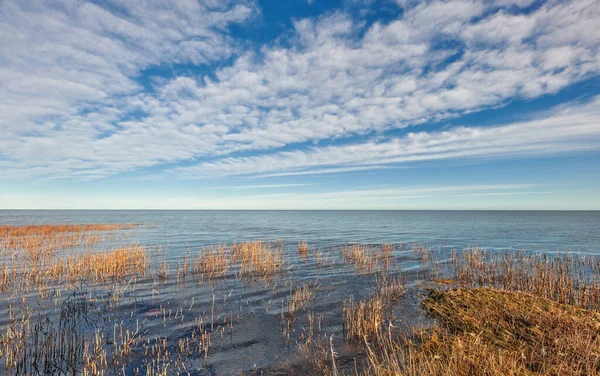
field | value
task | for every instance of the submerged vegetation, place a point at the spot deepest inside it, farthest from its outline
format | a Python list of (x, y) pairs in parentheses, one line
[(87, 299)]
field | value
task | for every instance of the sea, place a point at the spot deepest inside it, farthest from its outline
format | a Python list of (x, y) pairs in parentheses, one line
[(539, 231)]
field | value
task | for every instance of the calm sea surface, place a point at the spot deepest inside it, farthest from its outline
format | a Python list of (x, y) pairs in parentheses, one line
[(549, 231)]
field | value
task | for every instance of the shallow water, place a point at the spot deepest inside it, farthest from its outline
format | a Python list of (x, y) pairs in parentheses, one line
[(494, 230), (246, 316)]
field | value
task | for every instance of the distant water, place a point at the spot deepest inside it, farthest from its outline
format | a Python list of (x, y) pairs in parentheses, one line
[(550, 231)]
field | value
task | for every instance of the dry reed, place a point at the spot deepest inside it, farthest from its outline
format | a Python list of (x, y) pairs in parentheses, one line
[(258, 258), (517, 313), (490, 332), (95, 266), (212, 262), (303, 248), (364, 321)]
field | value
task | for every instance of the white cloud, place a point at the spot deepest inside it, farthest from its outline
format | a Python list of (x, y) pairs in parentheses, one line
[(62, 58), (68, 73), (388, 198), (263, 186), (407, 192), (572, 128)]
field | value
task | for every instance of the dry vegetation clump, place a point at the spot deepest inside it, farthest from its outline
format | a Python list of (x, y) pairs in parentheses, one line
[(390, 287), (365, 320), (311, 332), (425, 253), (385, 256), (28, 230), (564, 278), (484, 331), (367, 259), (100, 266), (361, 256), (515, 313), (317, 357), (212, 262), (437, 352), (40, 241), (258, 258), (35, 344), (303, 248), (300, 298), (548, 337), (33, 256), (252, 259)]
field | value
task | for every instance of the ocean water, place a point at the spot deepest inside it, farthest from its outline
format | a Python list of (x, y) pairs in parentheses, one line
[(246, 317), (543, 231)]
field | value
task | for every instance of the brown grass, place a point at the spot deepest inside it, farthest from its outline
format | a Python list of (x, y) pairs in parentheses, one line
[(34, 255), (300, 298), (547, 337), (303, 248), (385, 256), (515, 313), (485, 331), (34, 344), (361, 256), (391, 288), (95, 266), (39, 241), (212, 262), (28, 230), (364, 321), (564, 278), (258, 258), (366, 258)]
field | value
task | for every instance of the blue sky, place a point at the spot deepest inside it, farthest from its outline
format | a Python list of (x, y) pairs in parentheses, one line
[(300, 104)]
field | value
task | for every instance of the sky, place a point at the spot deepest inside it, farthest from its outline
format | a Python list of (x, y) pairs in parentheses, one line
[(306, 104)]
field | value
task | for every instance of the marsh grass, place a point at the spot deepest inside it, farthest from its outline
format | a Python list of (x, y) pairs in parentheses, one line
[(300, 297), (245, 260), (364, 321), (361, 256), (565, 278), (485, 331), (106, 266), (52, 229), (212, 262), (297, 301), (258, 258), (367, 258), (548, 337), (303, 248), (35, 344), (37, 256), (58, 259), (390, 287), (495, 313), (510, 313)]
